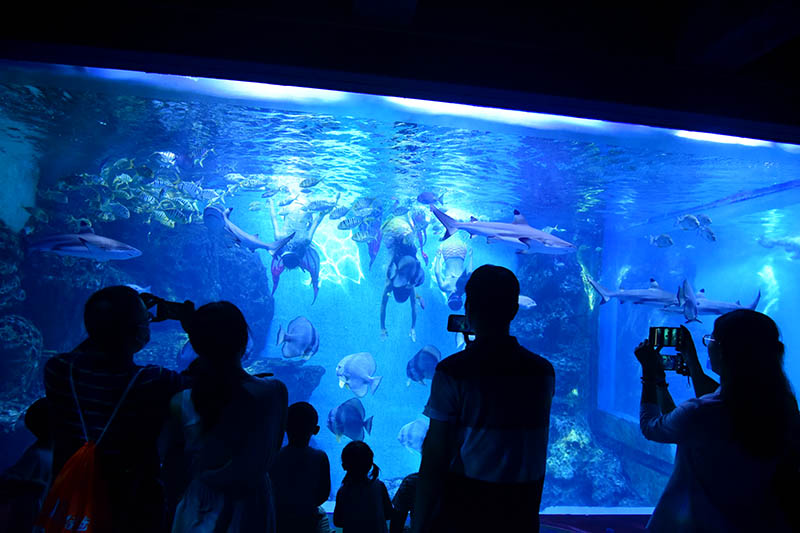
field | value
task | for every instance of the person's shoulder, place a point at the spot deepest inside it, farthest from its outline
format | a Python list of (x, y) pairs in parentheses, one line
[(266, 387), (537, 361), (452, 362)]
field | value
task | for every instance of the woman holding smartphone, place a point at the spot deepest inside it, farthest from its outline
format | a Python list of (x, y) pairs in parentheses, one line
[(736, 466)]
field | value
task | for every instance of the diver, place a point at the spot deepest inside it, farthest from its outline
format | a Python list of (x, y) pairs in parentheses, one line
[(404, 274), (449, 266), (300, 251)]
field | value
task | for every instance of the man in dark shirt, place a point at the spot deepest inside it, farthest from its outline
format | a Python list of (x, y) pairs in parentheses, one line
[(484, 457), (102, 367)]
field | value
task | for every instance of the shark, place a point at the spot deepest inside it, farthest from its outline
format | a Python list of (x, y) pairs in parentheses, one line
[(653, 295), (85, 244), (687, 302), (218, 220), (516, 232), (715, 307)]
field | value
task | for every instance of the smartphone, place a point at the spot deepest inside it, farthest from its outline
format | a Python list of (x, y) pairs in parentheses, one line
[(661, 337), (172, 310), (459, 324), (673, 362)]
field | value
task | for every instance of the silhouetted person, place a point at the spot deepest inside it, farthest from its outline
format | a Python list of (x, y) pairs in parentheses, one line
[(736, 467), (226, 431), (362, 502), (101, 369), (301, 475), (403, 503), (483, 459), (23, 485)]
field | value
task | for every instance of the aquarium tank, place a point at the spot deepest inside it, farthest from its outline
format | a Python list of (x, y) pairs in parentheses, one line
[(311, 208)]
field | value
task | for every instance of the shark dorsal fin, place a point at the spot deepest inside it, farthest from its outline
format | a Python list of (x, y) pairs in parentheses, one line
[(702, 291), (473, 219), (654, 284), (228, 211), (518, 218), (737, 301), (85, 228)]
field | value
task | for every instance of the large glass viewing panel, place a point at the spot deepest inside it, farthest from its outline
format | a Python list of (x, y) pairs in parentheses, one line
[(156, 164)]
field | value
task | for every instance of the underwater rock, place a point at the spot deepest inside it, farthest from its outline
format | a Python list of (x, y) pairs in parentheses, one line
[(11, 291), (21, 361), (580, 471), (300, 379)]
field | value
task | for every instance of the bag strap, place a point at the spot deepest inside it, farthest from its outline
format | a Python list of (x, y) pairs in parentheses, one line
[(116, 408)]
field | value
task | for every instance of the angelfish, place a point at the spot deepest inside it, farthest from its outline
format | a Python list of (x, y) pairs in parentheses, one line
[(348, 419), (688, 301), (357, 373)]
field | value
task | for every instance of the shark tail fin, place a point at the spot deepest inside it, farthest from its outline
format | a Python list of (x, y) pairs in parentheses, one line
[(368, 425), (755, 302), (695, 319), (450, 224), (376, 380), (277, 246), (605, 296)]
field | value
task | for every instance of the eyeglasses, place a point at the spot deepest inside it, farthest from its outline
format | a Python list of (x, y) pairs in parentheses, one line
[(708, 339)]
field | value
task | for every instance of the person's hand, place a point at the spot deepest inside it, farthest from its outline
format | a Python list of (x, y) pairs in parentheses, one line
[(413, 335), (650, 359), (688, 350), (384, 333)]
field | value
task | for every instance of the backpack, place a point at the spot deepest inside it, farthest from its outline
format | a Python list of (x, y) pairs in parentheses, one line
[(78, 499)]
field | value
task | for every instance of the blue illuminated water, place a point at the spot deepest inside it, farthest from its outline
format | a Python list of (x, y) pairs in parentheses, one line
[(607, 186)]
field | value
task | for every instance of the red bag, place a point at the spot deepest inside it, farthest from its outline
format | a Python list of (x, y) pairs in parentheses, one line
[(78, 499)]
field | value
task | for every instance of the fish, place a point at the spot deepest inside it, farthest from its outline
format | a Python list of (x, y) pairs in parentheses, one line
[(53, 196), (790, 244), (350, 223), (309, 182), (363, 236), (162, 218), (338, 213), (715, 307), (366, 212), (270, 192), (429, 198), (704, 220), (707, 233), (299, 339), (423, 364), (320, 206), (412, 435), (348, 419), (305, 191), (662, 241), (116, 209), (218, 221), (38, 214), (251, 184), (357, 373), (688, 301), (526, 302), (86, 244), (144, 171), (654, 295), (191, 188), (211, 194), (362, 202), (255, 206), (148, 198), (288, 201), (687, 222), (516, 232), (551, 229), (138, 288), (166, 158), (179, 216)]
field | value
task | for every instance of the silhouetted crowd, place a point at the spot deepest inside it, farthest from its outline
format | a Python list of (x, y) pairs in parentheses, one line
[(122, 447)]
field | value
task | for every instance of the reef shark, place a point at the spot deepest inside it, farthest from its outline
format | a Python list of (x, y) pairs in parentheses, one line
[(86, 244), (217, 220), (654, 295), (516, 232), (715, 307)]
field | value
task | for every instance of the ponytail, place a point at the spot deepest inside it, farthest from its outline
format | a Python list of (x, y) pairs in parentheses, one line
[(375, 472)]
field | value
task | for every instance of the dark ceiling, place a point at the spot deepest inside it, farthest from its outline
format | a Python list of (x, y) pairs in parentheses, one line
[(730, 67)]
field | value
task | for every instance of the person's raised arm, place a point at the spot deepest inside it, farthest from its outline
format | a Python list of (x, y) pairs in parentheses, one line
[(413, 299), (384, 300)]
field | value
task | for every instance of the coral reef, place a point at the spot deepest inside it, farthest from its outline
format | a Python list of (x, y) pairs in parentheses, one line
[(21, 361), (11, 291)]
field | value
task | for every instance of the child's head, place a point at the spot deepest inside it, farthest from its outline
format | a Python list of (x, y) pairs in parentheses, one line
[(357, 460), (37, 419), (301, 423)]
